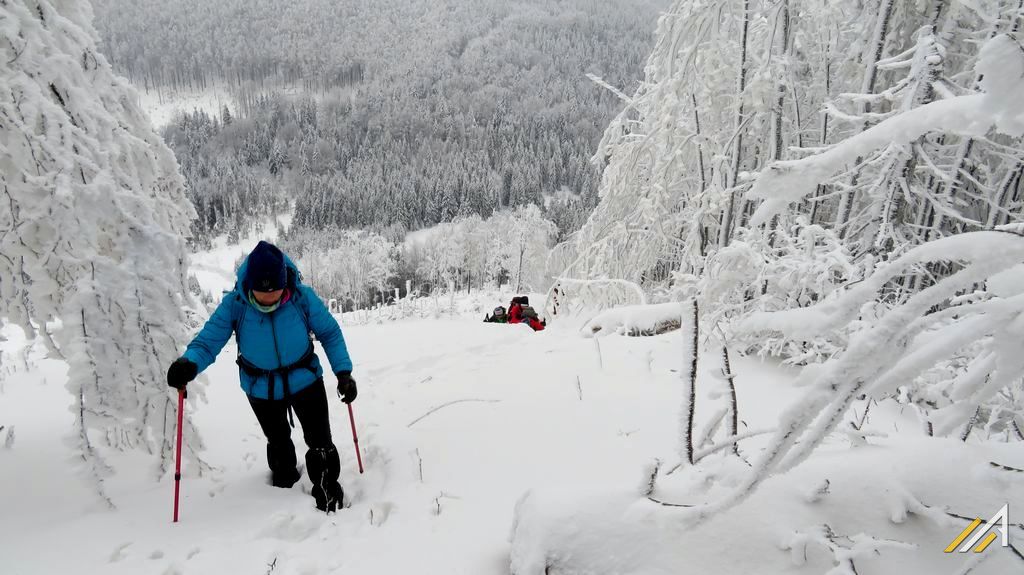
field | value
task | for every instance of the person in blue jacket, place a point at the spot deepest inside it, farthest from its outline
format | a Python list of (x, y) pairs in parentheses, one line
[(272, 316)]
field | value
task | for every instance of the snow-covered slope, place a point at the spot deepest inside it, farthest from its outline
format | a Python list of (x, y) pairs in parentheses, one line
[(515, 412), (438, 493), (490, 449)]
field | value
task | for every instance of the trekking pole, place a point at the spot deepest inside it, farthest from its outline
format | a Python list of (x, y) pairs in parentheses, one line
[(355, 438), (177, 458)]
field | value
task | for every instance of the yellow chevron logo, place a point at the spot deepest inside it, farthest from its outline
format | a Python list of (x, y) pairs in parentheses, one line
[(998, 525)]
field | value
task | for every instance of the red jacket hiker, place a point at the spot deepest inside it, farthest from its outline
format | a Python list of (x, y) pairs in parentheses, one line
[(517, 313)]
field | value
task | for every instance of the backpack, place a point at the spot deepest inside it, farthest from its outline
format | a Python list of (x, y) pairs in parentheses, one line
[(520, 300)]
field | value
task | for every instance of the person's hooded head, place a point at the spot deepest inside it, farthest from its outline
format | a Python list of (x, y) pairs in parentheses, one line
[(266, 274)]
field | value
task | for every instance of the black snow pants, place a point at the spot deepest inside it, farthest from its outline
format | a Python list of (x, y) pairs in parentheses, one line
[(322, 462)]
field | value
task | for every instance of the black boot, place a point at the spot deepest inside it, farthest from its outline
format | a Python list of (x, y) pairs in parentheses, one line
[(282, 465), (324, 467), (329, 498)]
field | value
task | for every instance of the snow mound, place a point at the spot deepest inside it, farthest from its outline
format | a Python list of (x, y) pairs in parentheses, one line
[(636, 320)]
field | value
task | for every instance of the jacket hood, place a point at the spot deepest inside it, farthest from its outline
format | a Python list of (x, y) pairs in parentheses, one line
[(294, 277)]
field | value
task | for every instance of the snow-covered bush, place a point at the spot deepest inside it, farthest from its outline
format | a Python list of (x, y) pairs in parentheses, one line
[(793, 267)]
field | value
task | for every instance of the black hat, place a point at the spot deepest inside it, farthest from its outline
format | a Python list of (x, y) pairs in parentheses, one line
[(266, 269)]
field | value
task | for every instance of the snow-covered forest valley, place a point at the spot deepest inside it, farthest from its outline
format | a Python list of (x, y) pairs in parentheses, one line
[(773, 250)]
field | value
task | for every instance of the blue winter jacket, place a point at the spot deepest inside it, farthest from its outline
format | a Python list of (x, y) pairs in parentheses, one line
[(271, 340)]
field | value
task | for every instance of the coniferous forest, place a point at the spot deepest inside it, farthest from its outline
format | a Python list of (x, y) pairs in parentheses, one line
[(391, 115)]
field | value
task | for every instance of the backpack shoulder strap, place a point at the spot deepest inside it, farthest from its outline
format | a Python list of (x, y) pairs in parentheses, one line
[(238, 309), (303, 304), (295, 283)]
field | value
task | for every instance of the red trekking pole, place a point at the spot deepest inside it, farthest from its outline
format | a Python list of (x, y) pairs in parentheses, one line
[(355, 439), (177, 458)]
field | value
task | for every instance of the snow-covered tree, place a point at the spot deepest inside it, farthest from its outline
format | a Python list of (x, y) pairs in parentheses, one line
[(347, 265), (520, 242), (688, 145), (91, 233)]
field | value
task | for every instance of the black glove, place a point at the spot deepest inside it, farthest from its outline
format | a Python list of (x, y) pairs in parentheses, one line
[(181, 372), (346, 386)]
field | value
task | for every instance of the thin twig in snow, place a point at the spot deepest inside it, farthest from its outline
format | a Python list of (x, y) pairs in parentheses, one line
[(971, 424), (728, 443), (1017, 430), (992, 463), (719, 446), (863, 417), (713, 425), (972, 519), (443, 405), (652, 479), (667, 504)]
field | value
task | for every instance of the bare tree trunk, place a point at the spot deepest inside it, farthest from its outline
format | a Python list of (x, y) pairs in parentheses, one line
[(930, 53), (519, 271), (703, 178), (870, 76), (725, 232), (691, 389), (700, 147), (734, 420), (777, 124), (997, 213), (824, 132), (780, 85)]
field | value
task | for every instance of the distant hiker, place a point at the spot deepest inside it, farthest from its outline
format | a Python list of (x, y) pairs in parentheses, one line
[(272, 314), (499, 316), (519, 311)]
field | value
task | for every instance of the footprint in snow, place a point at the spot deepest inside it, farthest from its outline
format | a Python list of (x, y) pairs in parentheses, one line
[(292, 527), (379, 513), (118, 553)]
